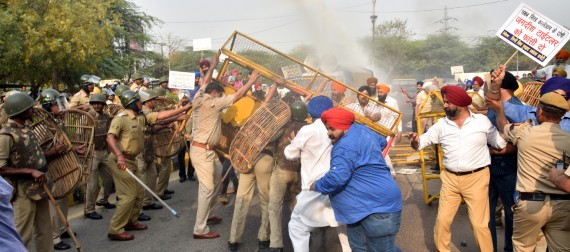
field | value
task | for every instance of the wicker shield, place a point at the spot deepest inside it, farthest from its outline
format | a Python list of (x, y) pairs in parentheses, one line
[(64, 170), (80, 129), (161, 139), (113, 109), (252, 138), (531, 93)]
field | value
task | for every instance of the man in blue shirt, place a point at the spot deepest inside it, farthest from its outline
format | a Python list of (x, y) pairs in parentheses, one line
[(363, 193)]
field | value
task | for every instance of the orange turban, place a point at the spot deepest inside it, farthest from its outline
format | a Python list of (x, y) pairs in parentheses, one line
[(456, 96), (563, 54), (383, 87), (338, 87), (338, 118)]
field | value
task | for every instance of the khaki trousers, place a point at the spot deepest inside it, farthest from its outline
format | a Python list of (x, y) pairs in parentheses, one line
[(99, 169), (163, 175), (130, 194), (57, 224), (282, 181), (260, 174), (33, 217), (149, 173), (548, 216), (474, 189), (209, 171)]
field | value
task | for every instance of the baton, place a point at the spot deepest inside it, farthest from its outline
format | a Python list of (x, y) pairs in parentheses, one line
[(63, 218), (153, 194)]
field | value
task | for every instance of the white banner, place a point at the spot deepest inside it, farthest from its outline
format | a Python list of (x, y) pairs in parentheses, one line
[(456, 70), (181, 80), (534, 34), (202, 44)]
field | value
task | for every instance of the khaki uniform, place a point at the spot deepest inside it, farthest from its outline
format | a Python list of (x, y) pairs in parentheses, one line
[(100, 167), (19, 148), (143, 88), (128, 128), (135, 87), (145, 160), (206, 128), (284, 181), (79, 98), (539, 147)]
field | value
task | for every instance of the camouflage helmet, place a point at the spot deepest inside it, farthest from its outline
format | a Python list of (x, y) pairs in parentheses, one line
[(159, 91), (129, 97), (299, 111), (120, 89), (98, 98), (136, 76), (163, 79), (48, 96), (18, 103)]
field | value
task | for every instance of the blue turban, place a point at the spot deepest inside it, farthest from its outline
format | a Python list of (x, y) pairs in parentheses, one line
[(555, 83), (197, 74), (318, 105)]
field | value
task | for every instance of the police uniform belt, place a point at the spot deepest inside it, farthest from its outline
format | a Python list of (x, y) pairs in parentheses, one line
[(466, 172), (542, 196), (203, 146)]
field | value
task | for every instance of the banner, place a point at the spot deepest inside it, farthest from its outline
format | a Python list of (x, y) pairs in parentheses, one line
[(181, 80), (202, 44), (534, 34)]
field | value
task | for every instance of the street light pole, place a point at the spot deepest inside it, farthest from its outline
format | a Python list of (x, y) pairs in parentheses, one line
[(373, 19)]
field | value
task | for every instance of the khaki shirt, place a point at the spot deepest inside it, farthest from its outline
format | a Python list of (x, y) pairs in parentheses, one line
[(143, 88), (135, 87), (79, 98), (206, 121), (539, 148), (188, 129), (129, 130)]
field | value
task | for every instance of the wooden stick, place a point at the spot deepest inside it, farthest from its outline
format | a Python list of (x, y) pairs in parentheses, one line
[(63, 218), (509, 60), (180, 128)]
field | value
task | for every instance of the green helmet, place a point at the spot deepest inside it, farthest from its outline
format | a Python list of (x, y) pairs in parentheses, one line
[(48, 96), (129, 97), (98, 98), (120, 89), (162, 79), (85, 78), (136, 76), (18, 103), (159, 91), (146, 95), (299, 111)]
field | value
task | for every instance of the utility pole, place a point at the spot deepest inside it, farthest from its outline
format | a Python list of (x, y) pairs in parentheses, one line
[(446, 22), (373, 19), (162, 63)]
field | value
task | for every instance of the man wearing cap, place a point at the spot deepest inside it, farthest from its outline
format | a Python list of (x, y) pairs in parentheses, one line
[(99, 168), (520, 112), (80, 100), (313, 147), (463, 136), (137, 81), (541, 206), (363, 194), (209, 103), (146, 84), (503, 171), (559, 61), (163, 83)]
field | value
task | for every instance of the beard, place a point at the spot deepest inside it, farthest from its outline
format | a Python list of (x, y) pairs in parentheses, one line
[(335, 139), (451, 113), (382, 98)]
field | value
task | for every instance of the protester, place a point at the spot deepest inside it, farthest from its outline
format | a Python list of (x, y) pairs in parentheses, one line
[(560, 60)]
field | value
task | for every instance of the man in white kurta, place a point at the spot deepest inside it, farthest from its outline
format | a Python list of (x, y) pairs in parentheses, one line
[(313, 209)]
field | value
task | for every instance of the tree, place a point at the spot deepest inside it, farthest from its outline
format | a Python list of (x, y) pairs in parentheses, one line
[(392, 44)]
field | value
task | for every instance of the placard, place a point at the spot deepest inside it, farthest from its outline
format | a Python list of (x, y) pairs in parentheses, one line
[(456, 70), (292, 71), (534, 34), (181, 80), (202, 44)]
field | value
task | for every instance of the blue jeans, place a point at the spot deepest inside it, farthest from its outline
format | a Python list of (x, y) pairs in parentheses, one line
[(376, 232), (502, 186)]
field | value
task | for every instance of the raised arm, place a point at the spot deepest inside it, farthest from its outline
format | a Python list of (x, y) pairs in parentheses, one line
[(243, 90)]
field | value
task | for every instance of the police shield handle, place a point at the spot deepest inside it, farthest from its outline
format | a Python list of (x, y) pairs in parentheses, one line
[(63, 218), (153, 193)]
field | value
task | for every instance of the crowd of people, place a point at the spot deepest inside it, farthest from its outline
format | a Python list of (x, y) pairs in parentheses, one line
[(334, 168)]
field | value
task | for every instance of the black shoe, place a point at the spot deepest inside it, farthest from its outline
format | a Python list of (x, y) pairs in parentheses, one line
[(263, 244), (106, 205), (233, 246), (275, 250), (182, 180), (93, 216), (61, 246), (192, 178), (168, 191), (165, 197), (144, 217), (152, 207), (66, 235)]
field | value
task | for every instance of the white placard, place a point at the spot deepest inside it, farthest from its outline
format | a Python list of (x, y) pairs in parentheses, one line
[(202, 44), (456, 70), (181, 80), (534, 34), (292, 71)]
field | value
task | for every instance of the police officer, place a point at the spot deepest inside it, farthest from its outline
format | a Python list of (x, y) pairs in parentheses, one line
[(99, 167), (80, 100), (163, 82), (22, 161), (137, 81), (541, 205), (146, 84)]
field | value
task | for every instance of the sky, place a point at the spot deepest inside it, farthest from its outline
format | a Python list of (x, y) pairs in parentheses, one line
[(335, 26)]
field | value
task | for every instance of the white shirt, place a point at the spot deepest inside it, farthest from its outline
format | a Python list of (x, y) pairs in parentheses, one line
[(547, 71), (371, 108), (393, 103), (465, 148), (314, 147)]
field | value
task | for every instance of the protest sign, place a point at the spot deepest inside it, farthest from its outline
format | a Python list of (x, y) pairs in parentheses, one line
[(202, 44), (181, 80)]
